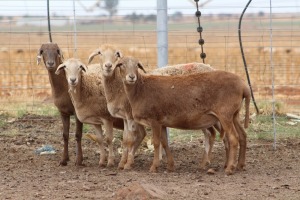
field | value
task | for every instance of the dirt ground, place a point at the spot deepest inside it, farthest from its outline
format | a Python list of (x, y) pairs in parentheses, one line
[(269, 174)]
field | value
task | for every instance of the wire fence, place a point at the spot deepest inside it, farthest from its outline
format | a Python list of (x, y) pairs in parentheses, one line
[(25, 87)]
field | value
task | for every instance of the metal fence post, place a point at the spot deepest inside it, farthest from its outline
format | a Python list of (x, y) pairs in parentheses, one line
[(162, 33), (162, 41)]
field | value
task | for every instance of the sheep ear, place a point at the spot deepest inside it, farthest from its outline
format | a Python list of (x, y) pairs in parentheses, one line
[(83, 68), (39, 57), (60, 55), (118, 54), (91, 57), (119, 64), (141, 67), (59, 68)]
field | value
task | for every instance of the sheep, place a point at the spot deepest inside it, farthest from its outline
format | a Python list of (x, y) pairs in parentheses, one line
[(118, 104), (87, 95), (203, 101), (52, 56), (209, 133)]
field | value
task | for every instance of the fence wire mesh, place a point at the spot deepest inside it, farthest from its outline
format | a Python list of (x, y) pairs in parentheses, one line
[(25, 87)]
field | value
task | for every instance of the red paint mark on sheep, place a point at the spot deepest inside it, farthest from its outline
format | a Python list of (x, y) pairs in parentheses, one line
[(188, 67)]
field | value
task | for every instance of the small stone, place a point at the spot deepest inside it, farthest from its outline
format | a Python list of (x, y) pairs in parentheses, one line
[(211, 171), (86, 188)]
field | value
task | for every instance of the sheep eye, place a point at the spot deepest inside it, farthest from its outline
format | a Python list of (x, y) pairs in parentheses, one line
[(41, 52), (118, 54)]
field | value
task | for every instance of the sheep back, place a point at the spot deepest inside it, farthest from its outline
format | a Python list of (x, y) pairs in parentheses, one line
[(182, 69)]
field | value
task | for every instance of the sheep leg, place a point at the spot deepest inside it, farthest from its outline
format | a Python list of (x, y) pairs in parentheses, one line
[(140, 135), (211, 142), (219, 128), (124, 152), (156, 134), (226, 144), (66, 126), (100, 138), (131, 132), (125, 147), (243, 144), (209, 139), (130, 149), (108, 126), (78, 135), (233, 145), (135, 139), (161, 149), (164, 143)]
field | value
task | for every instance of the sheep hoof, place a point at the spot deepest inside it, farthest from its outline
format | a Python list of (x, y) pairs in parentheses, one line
[(110, 164), (127, 167), (121, 166), (170, 169), (80, 165), (63, 163), (153, 169), (229, 170), (101, 164), (241, 167), (203, 165)]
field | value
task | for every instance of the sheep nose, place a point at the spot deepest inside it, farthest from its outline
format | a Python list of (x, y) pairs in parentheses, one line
[(131, 76), (50, 63), (73, 80), (108, 65)]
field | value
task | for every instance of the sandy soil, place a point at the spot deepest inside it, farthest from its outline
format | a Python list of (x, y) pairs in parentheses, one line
[(269, 174)]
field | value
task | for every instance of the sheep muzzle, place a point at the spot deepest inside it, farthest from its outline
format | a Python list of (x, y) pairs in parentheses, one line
[(131, 78)]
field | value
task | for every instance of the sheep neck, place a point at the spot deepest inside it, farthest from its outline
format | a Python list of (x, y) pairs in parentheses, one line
[(75, 94), (112, 84), (59, 85)]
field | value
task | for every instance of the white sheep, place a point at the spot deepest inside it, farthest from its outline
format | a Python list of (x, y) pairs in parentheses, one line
[(86, 92), (182, 69), (195, 101), (52, 56), (118, 104)]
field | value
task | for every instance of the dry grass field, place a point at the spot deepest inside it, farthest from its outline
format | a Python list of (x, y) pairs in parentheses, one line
[(21, 80)]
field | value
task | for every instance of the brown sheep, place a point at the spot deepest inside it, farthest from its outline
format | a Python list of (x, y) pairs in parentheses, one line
[(52, 56), (119, 106), (209, 133), (195, 101)]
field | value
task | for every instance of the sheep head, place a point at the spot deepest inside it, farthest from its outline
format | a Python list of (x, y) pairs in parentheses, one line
[(73, 68), (129, 69), (108, 57), (51, 54)]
